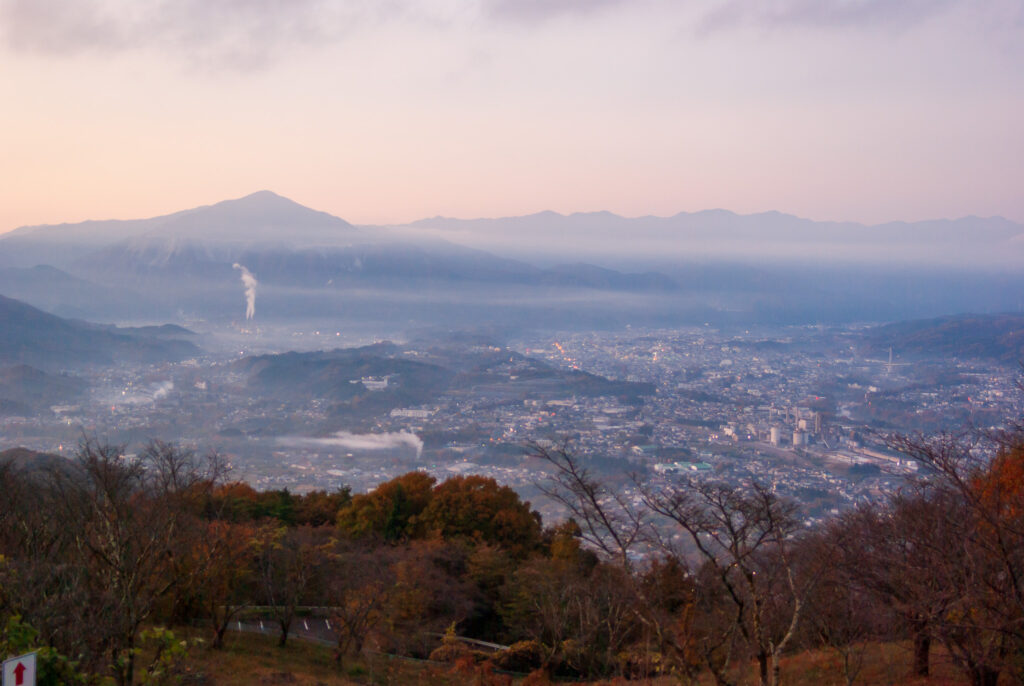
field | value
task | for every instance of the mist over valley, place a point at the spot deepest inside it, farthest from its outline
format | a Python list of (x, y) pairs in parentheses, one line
[(316, 354)]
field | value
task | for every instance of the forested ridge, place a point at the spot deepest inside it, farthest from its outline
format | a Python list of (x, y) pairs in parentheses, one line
[(691, 580)]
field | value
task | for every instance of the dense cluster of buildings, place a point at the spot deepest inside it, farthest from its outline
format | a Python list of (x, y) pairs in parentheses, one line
[(799, 409)]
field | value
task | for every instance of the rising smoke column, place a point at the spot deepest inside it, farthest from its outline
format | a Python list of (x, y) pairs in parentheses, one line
[(250, 283)]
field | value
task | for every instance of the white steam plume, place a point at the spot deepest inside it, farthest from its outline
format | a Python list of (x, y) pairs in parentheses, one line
[(250, 283), (351, 441)]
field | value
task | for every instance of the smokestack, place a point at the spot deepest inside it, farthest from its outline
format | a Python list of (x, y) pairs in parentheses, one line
[(250, 283)]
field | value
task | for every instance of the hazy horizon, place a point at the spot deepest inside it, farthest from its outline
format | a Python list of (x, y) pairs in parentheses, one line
[(491, 216), (838, 110), (266, 220)]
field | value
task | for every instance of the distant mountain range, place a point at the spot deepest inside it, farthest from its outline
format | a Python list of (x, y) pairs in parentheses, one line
[(722, 234), (266, 224), (260, 218), (152, 268), (284, 243), (587, 269), (65, 295)]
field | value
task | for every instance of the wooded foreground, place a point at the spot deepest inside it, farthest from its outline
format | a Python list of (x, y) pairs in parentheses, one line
[(691, 581)]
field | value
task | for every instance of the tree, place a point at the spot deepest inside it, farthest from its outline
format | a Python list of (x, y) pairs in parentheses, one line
[(223, 581), (841, 614), (477, 508), (616, 527), (288, 567), (42, 581), (124, 521), (358, 588), (391, 511), (905, 555), (429, 592), (976, 477), (320, 508), (744, 536), (582, 616), (608, 521)]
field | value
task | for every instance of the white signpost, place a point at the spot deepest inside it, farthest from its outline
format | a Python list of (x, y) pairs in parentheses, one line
[(20, 671)]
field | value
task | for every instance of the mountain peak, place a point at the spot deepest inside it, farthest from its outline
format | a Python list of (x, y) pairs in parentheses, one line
[(262, 198), (263, 205), (260, 217)]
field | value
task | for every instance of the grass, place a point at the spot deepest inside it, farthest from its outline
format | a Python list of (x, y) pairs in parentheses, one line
[(884, 664), (254, 660)]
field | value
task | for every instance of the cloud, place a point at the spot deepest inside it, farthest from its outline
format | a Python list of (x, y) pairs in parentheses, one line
[(533, 11), (52, 26), (351, 441), (831, 14), (241, 34)]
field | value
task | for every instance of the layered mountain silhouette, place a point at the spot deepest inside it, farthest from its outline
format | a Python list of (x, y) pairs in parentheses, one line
[(262, 217), (722, 234), (186, 260), (588, 269), (35, 338)]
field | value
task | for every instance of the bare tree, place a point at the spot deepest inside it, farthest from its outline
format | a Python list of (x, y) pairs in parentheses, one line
[(841, 613), (744, 537), (905, 556), (618, 528), (584, 615), (287, 566), (42, 580), (608, 520), (977, 481), (125, 519)]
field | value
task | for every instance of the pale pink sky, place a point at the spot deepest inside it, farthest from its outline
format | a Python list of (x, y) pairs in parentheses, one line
[(865, 110)]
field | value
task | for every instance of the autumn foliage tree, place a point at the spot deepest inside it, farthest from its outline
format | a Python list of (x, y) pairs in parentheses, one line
[(391, 511), (223, 581), (115, 531), (976, 478), (668, 577), (477, 508)]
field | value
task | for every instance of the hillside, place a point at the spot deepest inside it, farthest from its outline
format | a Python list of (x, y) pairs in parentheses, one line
[(258, 217), (33, 337), (30, 460), (253, 659), (996, 336), (25, 390), (382, 377)]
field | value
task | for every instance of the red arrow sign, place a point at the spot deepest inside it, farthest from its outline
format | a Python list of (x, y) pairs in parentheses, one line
[(19, 675)]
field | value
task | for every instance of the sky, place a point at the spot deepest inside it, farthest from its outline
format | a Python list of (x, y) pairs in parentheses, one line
[(387, 111)]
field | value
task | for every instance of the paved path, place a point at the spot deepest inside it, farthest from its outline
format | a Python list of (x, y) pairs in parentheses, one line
[(319, 630), (313, 629)]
